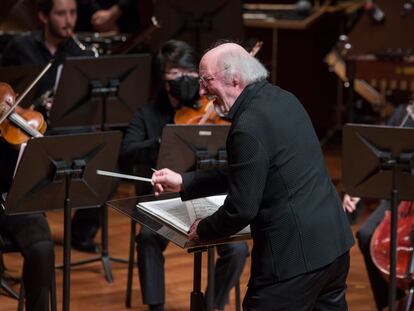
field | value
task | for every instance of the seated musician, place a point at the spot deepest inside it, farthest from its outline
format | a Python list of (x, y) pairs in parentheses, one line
[(177, 80), (31, 235), (364, 235), (58, 18)]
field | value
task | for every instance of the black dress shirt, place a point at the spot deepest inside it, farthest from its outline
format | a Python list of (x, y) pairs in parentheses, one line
[(278, 183)]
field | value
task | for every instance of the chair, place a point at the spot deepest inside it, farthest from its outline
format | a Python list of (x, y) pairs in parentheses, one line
[(131, 263), (7, 246)]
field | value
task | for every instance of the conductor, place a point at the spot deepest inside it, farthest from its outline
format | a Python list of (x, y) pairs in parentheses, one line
[(277, 182)]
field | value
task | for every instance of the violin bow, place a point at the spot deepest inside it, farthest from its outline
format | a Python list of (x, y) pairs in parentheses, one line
[(27, 90)]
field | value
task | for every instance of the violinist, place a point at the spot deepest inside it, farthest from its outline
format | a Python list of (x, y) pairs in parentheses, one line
[(30, 232), (58, 19), (379, 285), (175, 71), (54, 41)]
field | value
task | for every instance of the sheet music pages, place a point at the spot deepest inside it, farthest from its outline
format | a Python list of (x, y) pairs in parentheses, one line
[(181, 215)]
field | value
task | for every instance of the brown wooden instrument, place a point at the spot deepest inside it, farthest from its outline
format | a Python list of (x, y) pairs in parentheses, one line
[(20, 124), (204, 114), (380, 244)]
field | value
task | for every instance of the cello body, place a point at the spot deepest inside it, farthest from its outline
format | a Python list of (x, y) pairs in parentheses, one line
[(380, 244)]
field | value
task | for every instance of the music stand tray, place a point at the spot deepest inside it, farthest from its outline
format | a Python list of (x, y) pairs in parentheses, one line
[(100, 92), (64, 176), (378, 162), (128, 207)]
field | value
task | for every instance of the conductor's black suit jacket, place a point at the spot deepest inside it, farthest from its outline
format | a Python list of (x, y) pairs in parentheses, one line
[(278, 183)]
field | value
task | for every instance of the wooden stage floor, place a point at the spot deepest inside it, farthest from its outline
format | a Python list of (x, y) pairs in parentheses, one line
[(90, 291)]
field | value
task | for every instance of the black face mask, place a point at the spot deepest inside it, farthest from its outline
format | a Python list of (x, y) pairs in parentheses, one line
[(184, 89)]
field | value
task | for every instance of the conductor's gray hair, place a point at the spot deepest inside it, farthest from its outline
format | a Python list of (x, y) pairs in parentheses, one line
[(245, 66)]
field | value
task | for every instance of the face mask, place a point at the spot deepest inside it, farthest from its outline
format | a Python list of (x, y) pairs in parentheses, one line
[(184, 89)]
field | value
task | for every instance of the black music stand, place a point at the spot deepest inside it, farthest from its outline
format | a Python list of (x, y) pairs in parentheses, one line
[(64, 177), (199, 147), (102, 93), (378, 162), (199, 23), (19, 77)]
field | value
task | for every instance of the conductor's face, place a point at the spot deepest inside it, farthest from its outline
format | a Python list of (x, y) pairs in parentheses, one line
[(61, 20)]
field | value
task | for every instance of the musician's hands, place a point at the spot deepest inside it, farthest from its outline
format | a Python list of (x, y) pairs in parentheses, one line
[(192, 234), (349, 203), (105, 20), (166, 180)]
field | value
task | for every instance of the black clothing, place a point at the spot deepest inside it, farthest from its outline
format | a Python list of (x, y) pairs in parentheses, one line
[(30, 49), (305, 296), (277, 182), (140, 149), (32, 236), (128, 22)]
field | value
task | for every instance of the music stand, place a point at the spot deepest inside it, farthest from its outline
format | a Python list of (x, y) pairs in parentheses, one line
[(19, 77), (199, 23), (199, 147), (108, 91), (378, 162), (64, 177)]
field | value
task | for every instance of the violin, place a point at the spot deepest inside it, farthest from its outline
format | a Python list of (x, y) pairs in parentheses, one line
[(19, 125), (205, 113)]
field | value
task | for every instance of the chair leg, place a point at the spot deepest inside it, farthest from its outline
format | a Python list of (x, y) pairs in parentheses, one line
[(237, 294), (131, 262)]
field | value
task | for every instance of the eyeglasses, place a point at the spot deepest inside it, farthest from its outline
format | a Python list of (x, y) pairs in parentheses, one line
[(205, 81)]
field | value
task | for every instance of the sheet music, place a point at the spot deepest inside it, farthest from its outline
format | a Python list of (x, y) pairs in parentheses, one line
[(19, 157), (181, 215), (171, 211)]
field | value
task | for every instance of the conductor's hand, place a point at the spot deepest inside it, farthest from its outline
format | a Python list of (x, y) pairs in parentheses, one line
[(192, 234), (166, 180), (349, 203)]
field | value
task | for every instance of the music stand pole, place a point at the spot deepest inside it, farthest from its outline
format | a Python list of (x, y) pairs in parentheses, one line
[(67, 172), (393, 241)]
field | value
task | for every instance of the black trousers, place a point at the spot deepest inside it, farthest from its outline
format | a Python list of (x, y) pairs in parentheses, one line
[(379, 285), (322, 290), (150, 248), (32, 236)]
